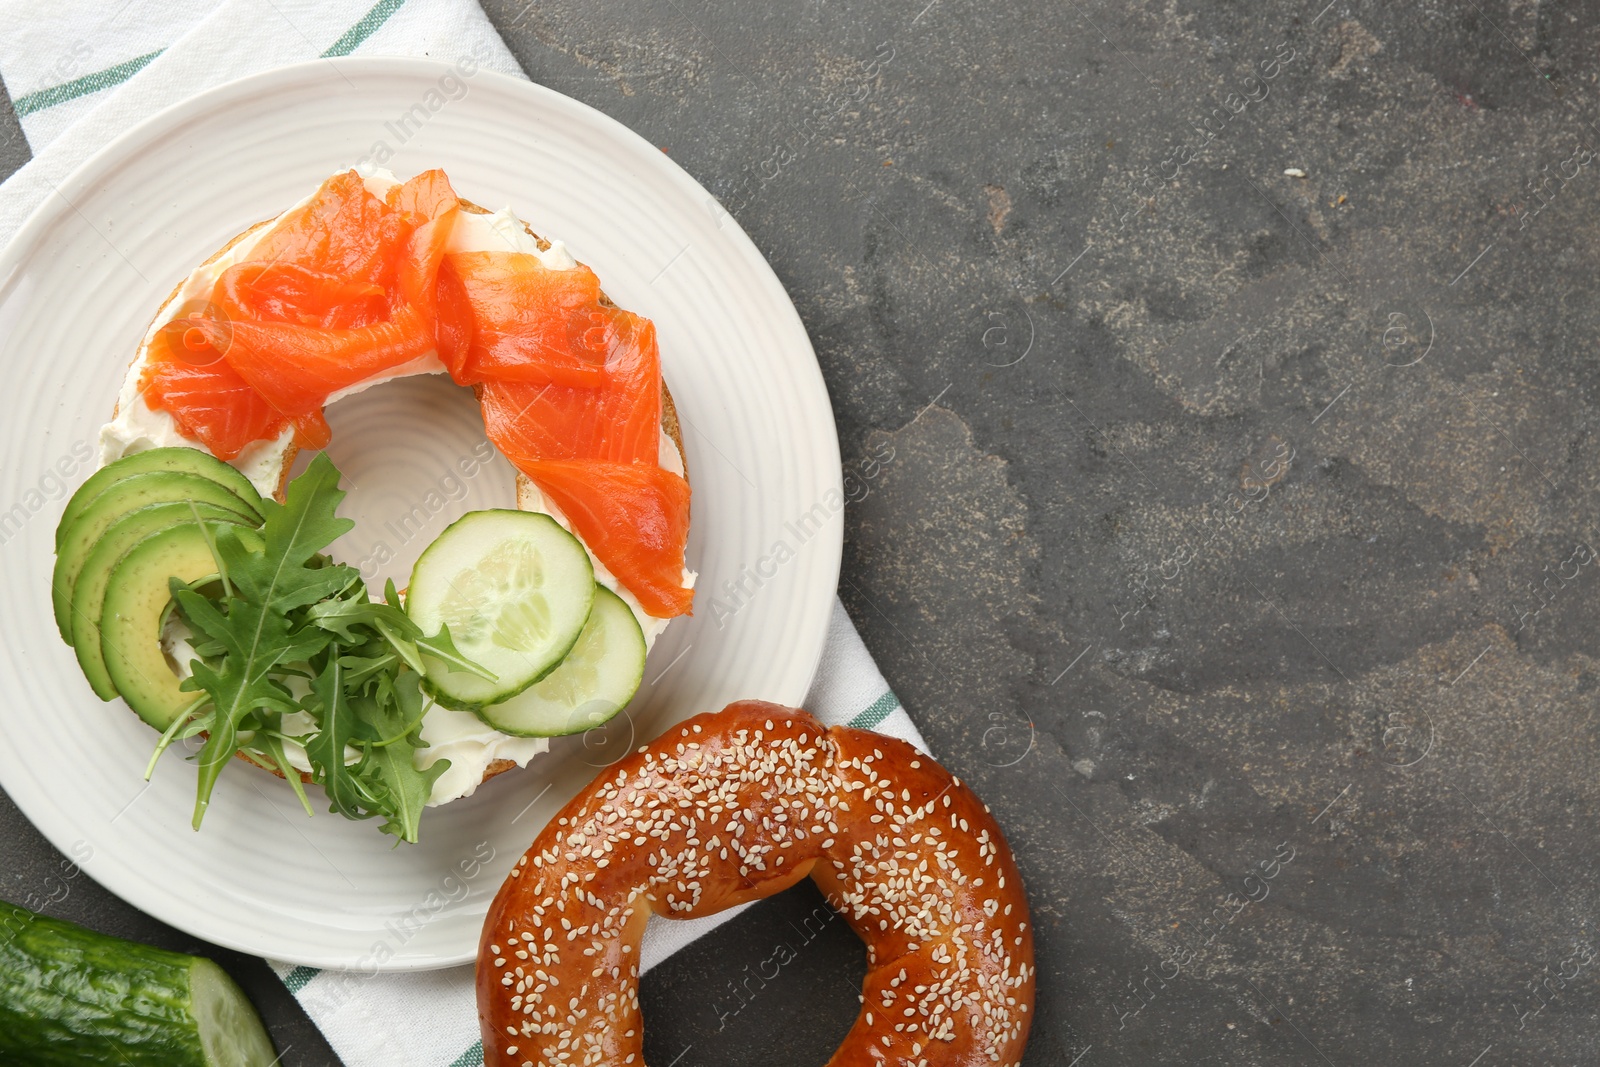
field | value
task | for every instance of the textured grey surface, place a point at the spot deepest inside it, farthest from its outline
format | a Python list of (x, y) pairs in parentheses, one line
[(1223, 527)]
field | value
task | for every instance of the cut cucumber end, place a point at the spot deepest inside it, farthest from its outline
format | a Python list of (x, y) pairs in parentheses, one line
[(230, 1031), (594, 682), (514, 588), (72, 996)]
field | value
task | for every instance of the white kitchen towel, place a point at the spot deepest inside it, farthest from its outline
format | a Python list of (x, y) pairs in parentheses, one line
[(80, 72)]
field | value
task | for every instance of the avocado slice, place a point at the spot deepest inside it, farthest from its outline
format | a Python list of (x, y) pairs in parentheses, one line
[(89, 594), (184, 460), (136, 599), (121, 497)]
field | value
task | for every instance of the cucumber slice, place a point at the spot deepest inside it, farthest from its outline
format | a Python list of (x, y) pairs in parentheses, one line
[(515, 590), (595, 681), (89, 594), (119, 498), (70, 996), (185, 460)]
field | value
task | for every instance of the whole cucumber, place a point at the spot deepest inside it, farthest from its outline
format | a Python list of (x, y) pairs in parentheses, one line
[(70, 996)]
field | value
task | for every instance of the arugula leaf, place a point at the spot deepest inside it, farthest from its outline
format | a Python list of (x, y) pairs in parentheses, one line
[(397, 709), (408, 788), (442, 648), (255, 639), (383, 722), (329, 703), (361, 669), (343, 615), (274, 748), (294, 631), (439, 646), (288, 573), (397, 722)]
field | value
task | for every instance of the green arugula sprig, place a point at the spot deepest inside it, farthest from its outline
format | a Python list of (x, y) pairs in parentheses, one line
[(292, 635)]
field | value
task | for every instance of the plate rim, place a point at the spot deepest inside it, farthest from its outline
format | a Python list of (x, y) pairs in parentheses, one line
[(28, 241)]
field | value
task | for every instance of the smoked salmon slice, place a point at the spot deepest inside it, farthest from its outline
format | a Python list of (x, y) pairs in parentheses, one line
[(288, 292), (349, 286), (618, 421), (342, 230), (453, 329), (211, 403), (339, 290), (530, 323), (635, 518), (296, 368), (426, 196)]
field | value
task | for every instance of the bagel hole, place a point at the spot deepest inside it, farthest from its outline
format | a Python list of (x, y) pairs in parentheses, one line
[(413, 458), (778, 983)]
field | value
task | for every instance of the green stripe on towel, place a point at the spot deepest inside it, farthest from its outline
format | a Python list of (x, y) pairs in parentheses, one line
[(473, 1057), (361, 31), (298, 978), (90, 83), (43, 99), (875, 714)]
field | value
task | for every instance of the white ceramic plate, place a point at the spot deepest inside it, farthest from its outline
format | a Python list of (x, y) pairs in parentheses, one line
[(78, 288)]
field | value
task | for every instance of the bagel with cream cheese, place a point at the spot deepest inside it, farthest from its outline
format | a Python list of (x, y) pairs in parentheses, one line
[(477, 752)]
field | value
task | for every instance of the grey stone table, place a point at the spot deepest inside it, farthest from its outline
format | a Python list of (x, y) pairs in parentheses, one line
[(1218, 387)]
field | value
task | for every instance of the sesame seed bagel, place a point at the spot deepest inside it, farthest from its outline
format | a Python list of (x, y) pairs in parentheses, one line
[(737, 805), (527, 497)]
